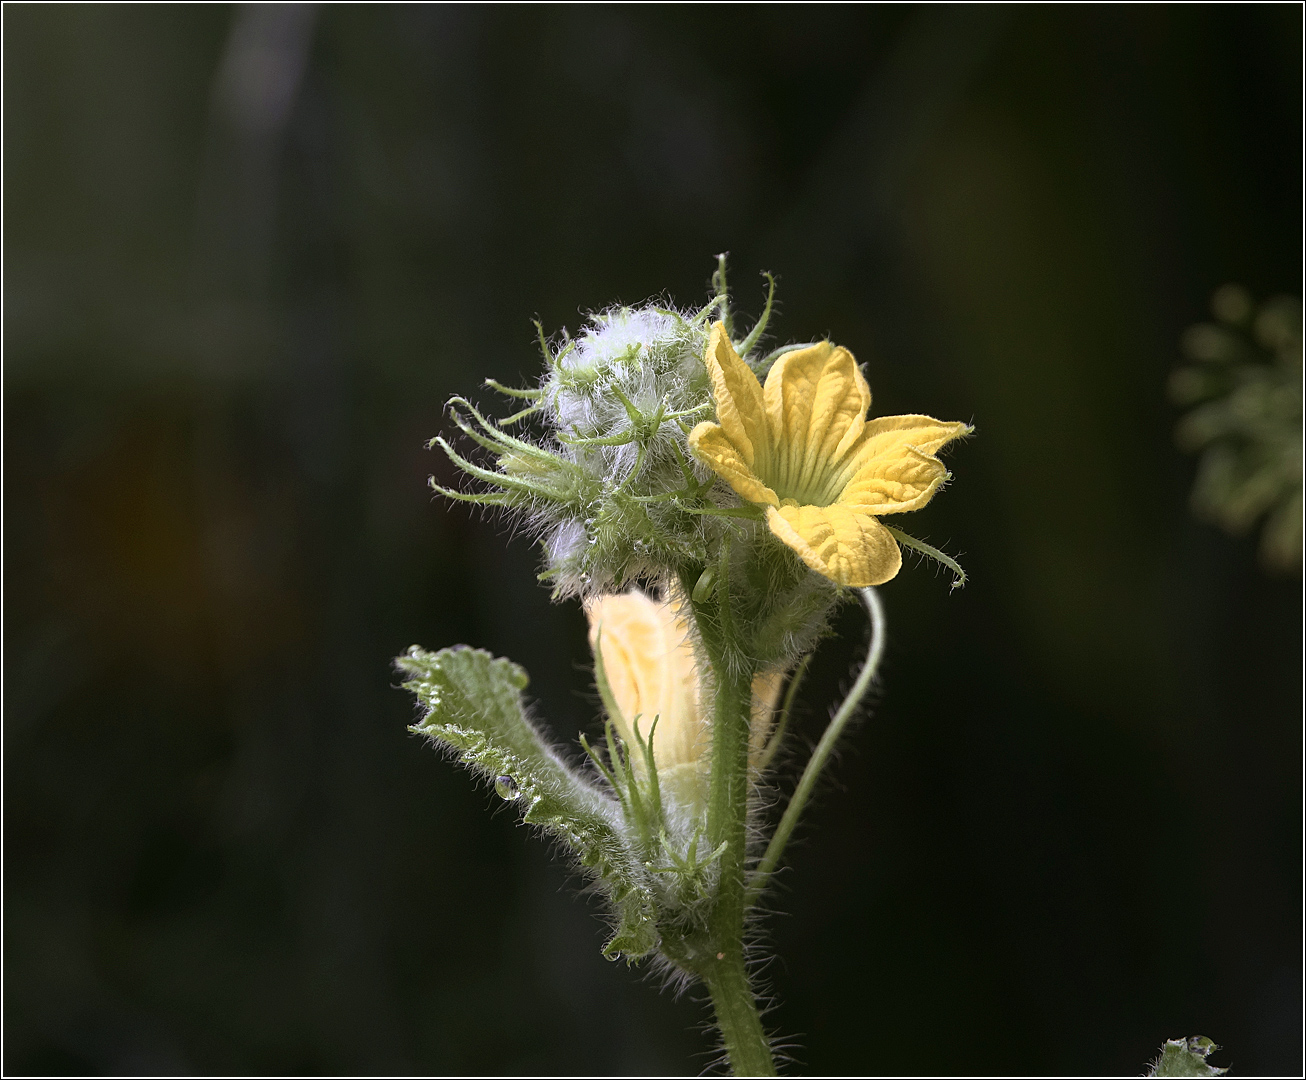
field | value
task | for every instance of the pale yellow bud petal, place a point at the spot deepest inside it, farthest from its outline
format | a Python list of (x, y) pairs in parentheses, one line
[(766, 695), (651, 670)]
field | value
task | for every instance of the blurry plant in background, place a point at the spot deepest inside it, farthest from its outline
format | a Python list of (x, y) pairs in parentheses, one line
[(1245, 384), (751, 529)]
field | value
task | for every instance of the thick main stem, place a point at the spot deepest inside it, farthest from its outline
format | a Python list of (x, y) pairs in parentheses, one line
[(727, 821), (724, 969), (736, 1015)]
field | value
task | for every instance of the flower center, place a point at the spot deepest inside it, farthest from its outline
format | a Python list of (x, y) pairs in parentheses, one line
[(803, 479)]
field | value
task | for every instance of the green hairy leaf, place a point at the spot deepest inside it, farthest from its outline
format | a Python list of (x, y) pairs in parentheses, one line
[(474, 708), (1186, 1057)]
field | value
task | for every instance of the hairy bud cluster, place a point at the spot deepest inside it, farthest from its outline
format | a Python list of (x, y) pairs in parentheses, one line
[(611, 487), (619, 399)]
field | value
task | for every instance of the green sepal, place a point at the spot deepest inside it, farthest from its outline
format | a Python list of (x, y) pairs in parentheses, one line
[(636, 935), (473, 705), (1186, 1057), (931, 552)]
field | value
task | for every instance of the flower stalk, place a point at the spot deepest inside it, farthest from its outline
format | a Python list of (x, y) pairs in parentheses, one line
[(816, 763)]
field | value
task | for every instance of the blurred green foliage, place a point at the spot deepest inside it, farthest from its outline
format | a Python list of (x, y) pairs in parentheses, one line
[(1246, 384), (249, 254)]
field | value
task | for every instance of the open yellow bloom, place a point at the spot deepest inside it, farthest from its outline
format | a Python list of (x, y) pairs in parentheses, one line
[(652, 672), (803, 448)]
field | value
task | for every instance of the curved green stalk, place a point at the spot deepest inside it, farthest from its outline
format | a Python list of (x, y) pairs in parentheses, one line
[(928, 550), (723, 291), (746, 346), (533, 394), (823, 749)]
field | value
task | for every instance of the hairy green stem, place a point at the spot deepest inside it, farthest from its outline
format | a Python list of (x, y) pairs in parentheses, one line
[(823, 750), (723, 968), (736, 1015)]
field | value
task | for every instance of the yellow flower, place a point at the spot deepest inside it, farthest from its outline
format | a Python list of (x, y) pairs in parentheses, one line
[(803, 448), (652, 672)]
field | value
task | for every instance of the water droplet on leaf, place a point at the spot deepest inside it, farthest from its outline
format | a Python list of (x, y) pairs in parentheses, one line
[(507, 788)]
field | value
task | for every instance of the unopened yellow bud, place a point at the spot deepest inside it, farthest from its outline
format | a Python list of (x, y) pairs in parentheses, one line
[(652, 672)]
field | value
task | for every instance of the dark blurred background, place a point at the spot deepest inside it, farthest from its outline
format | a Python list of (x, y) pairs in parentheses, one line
[(249, 252)]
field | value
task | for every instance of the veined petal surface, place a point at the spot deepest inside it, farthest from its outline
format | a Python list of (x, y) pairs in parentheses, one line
[(893, 469), (894, 485), (848, 547), (711, 443), (739, 407), (816, 402), (885, 433)]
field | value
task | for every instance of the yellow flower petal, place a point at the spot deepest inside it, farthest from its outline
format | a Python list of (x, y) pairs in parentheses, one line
[(738, 395), (848, 547), (894, 485), (816, 402), (893, 468), (710, 442), (925, 433)]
